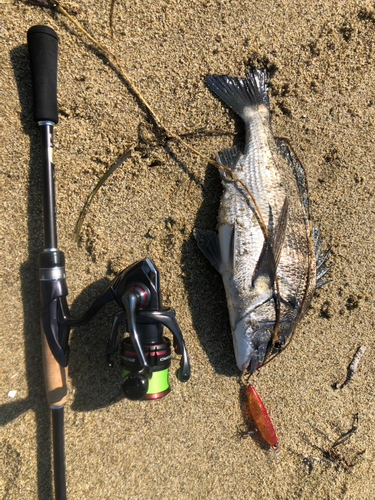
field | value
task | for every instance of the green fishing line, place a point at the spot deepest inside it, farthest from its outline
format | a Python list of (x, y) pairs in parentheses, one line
[(157, 383)]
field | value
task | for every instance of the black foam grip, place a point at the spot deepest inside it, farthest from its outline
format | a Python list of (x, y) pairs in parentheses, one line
[(42, 43)]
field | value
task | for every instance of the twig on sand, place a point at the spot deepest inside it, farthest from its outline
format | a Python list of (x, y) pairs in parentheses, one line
[(164, 131), (347, 434), (353, 367), (98, 186), (332, 455)]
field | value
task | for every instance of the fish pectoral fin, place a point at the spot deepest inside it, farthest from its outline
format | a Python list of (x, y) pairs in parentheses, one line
[(208, 243), (229, 157), (271, 252), (280, 231)]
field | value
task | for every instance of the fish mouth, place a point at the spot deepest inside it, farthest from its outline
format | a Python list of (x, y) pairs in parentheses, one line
[(252, 362), (250, 346)]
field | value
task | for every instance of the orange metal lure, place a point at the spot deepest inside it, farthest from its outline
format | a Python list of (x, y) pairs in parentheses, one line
[(261, 418)]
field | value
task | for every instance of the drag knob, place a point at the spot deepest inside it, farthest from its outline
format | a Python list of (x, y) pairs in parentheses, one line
[(142, 294)]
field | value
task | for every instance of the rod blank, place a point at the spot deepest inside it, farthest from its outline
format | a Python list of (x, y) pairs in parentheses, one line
[(59, 452)]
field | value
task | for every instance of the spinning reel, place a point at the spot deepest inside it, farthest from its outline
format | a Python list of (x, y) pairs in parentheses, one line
[(146, 353)]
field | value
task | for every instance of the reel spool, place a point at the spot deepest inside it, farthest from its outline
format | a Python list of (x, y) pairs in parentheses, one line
[(158, 358)]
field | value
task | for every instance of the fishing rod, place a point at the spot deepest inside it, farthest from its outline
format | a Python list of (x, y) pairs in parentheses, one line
[(146, 353), (42, 43)]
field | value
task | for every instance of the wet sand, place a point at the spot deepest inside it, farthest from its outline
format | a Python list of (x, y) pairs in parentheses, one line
[(187, 446)]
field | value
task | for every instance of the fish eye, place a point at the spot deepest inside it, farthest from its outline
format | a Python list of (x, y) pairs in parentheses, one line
[(275, 447), (278, 345)]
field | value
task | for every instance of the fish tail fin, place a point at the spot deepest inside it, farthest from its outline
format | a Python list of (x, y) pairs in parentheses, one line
[(241, 94)]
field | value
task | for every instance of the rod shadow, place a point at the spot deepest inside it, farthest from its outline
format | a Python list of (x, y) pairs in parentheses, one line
[(96, 385), (29, 275)]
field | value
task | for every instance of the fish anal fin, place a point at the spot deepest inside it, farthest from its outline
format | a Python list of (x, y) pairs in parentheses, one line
[(229, 157), (321, 257)]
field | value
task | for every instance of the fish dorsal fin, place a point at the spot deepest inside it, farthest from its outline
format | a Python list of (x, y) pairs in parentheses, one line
[(229, 157), (271, 252), (295, 164), (208, 243)]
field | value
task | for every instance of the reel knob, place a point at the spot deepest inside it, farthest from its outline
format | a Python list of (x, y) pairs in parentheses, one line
[(135, 384)]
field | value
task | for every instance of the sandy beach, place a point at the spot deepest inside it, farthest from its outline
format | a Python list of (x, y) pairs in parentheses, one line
[(188, 445)]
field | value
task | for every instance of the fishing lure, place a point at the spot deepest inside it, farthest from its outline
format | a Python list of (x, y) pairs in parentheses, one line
[(261, 418)]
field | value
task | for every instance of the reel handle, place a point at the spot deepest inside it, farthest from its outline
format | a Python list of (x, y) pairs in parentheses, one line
[(42, 43), (131, 301)]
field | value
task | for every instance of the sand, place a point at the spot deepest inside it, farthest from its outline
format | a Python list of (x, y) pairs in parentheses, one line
[(187, 446)]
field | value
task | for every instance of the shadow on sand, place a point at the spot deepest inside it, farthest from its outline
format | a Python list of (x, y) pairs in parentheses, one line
[(204, 285), (29, 275), (95, 384)]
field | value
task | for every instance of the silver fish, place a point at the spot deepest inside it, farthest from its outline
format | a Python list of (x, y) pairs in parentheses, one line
[(256, 259)]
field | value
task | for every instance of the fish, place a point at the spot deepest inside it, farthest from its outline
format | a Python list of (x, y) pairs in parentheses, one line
[(261, 418), (266, 248)]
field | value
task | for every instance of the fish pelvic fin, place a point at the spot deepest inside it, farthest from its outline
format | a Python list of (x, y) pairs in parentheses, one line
[(271, 252), (241, 94), (208, 244)]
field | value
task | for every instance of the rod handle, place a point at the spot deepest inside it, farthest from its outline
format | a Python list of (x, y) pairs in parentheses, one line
[(42, 42), (55, 377)]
